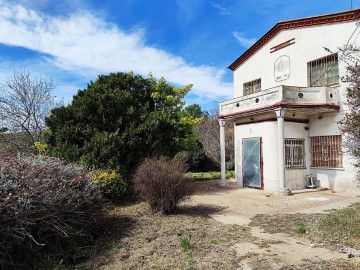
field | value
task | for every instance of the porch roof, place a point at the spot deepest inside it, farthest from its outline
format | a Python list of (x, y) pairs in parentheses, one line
[(308, 100)]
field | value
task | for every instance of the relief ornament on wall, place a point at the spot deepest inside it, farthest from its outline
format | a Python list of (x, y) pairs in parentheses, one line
[(282, 68)]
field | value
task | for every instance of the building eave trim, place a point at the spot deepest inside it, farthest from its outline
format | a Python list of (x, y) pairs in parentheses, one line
[(345, 16)]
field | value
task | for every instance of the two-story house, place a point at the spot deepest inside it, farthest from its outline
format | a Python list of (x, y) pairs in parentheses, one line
[(288, 101)]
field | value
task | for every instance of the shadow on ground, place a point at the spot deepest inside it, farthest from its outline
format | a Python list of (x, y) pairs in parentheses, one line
[(203, 210), (115, 228), (211, 186)]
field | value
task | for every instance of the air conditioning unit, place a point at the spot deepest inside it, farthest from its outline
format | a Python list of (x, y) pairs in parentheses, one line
[(311, 181)]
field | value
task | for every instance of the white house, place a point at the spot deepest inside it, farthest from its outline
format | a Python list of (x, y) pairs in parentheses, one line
[(288, 100)]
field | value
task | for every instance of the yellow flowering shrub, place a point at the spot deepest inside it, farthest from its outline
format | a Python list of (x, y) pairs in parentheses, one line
[(111, 184), (41, 147)]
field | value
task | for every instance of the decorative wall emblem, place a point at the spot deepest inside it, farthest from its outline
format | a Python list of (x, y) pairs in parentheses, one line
[(282, 68), (282, 45)]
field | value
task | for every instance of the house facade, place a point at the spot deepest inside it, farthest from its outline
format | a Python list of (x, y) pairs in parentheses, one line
[(288, 101)]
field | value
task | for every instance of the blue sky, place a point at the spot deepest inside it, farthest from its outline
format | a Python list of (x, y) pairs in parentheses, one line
[(184, 41)]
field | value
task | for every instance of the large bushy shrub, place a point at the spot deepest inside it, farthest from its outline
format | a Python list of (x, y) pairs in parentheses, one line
[(120, 120), (162, 183), (45, 208)]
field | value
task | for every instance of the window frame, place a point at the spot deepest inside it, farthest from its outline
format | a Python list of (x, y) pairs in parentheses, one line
[(292, 158), (252, 87), (324, 65), (329, 147)]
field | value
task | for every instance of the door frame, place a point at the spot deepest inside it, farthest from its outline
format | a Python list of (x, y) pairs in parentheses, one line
[(261, 162)]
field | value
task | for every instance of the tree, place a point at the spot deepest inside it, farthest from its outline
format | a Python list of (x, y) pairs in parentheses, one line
[(208, 132), (24, 104), (120, 120), (351, 123)]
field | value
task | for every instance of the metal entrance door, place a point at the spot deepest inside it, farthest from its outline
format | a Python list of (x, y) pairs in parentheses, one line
[(251, 156)]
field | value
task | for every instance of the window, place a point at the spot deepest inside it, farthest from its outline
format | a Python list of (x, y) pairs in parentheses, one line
[(294, 153), (324, 71), (252, 87), (326, 151)]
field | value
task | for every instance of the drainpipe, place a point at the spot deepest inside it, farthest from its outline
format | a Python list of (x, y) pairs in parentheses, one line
[(223, 181), (280, 113)]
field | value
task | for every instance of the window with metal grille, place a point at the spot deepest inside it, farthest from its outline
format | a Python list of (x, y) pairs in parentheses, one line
[(252, 87), (294, 153), (326, 151), (324, 71)]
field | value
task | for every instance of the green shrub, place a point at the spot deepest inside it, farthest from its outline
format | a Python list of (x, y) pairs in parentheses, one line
[(197, 160), (302, 228), (192, 263), (209, 175), (162, 183), (46, 208), (119, 120), (111, 184), (185, 243)]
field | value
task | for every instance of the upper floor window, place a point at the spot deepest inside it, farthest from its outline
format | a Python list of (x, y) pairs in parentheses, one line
[(324, 71), (252, 87)]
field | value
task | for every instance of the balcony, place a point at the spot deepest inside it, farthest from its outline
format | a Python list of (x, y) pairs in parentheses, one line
[(306, 99)]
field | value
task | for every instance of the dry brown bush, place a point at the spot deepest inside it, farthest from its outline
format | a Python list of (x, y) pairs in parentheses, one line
[(46, 208), (162, 183)]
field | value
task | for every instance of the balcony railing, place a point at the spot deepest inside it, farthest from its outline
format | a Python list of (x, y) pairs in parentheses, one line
[(282, 94)]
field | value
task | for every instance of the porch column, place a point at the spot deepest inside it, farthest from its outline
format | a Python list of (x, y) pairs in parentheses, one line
[(280, 113), (223, 180)]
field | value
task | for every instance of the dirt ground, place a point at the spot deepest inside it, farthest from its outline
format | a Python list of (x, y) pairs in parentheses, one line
[(225, 228), (274, 221)]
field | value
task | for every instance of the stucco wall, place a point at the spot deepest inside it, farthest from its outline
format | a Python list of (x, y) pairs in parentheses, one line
[(309, 45), (338, 179), (295, 178), (269, 150)]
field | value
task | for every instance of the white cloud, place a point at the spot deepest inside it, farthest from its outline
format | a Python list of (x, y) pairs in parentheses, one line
[(222, 10), (188, 9), (242, 40), (88, 45)]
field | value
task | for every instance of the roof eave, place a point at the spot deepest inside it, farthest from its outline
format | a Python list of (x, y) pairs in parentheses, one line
[(344, 16)]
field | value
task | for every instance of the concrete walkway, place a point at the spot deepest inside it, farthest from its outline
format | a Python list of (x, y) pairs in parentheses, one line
[(244, 203)]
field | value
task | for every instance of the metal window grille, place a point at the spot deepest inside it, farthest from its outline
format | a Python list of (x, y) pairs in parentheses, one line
[(294, 153), (324, 71), (326, 151), (252, 87)]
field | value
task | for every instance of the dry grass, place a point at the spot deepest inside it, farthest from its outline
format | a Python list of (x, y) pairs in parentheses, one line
[(138, 239), (324, 265), (288, 223), (342, 226), (331, 229)]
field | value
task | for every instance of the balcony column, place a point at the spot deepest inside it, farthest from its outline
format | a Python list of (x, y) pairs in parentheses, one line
[(280, 113), (223, 181)]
